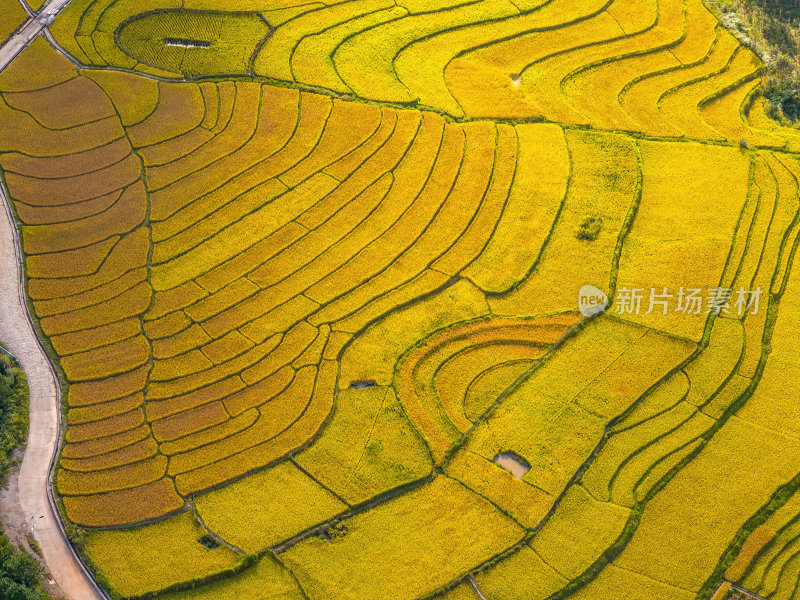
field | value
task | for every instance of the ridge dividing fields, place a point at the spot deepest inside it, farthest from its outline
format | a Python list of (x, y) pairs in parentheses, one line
[(299, 304)]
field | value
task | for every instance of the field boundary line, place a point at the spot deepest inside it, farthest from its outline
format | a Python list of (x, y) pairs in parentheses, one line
[(81, 583)]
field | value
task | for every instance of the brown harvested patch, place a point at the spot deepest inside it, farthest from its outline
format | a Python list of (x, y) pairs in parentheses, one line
[(74, 102), (131, 252), (69, 165), (53, 192), (133, 453), (128, 506), (121, 218), (84, 394), (109, 360), (39, 66), (117, 478), (72, 263), (45, 215), (104, 410)]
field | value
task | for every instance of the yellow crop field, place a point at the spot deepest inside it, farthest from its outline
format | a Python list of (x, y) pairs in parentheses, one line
[(636, 586), (108, 444), (268, 579), (13, 16), (525, 502), (525, 570), (327, 566), (642, 98), (156, 547), (312, 54), (275, 58), (617, 63), (129, 454), (116, 508), (597, 159), (742, 65), (687, 566), (769, 405), (579, 532), (550, 419), (279, 493), (435, 408), (676, 266), (540, 182), (710, 370), (768, 553), (413, 300), (493, 51)]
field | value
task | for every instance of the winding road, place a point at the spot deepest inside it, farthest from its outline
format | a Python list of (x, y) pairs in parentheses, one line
[(17, 334), (34, 483)]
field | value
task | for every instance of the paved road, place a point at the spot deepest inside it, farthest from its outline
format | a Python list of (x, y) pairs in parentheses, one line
[(25, 35), (16, 332), (18, 335)]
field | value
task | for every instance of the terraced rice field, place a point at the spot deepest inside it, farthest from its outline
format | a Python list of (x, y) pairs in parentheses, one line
[(308, 269)]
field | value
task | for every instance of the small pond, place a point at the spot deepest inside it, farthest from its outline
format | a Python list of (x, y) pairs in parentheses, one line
[(513, 462)]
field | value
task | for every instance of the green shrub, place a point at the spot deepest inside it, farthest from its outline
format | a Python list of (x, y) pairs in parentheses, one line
[(19, 574), (589, 229), (772, 31), (13, 411)]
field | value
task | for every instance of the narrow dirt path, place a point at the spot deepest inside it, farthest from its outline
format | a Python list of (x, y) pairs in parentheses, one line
[(476, 588), (33, 483)]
